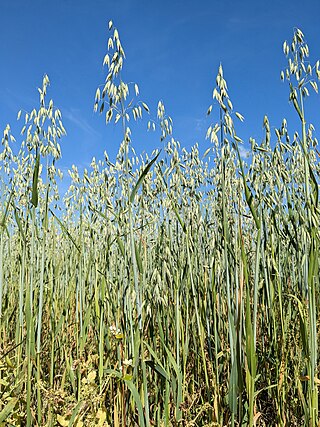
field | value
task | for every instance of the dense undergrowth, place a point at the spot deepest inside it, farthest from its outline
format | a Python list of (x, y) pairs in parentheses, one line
[(171, 290)]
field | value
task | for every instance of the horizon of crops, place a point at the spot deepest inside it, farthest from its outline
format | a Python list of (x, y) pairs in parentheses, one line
[(169, 289)]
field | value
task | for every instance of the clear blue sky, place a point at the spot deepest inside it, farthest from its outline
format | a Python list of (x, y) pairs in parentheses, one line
[(173, 51)]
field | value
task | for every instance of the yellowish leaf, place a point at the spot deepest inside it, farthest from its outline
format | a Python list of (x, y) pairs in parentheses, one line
[(101, 415), (92, 376), (62, 421)]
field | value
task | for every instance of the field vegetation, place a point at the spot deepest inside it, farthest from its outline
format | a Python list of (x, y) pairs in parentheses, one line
[(165, 289)]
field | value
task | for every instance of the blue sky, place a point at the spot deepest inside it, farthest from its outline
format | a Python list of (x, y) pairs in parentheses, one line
[(173, 51)]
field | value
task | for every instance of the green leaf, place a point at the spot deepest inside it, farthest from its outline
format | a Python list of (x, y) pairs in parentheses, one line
[(136, 397), (233, 388), (64, 229), (18, 221), (4, 218), (138, 258), (128, 377), (142, 177), (134, 392), (34, 199), (247, 191), (75, 414), (157, 368), (7, 410), (121, 246)]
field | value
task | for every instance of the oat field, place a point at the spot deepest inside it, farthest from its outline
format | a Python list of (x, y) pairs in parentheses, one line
[(174, 288)]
